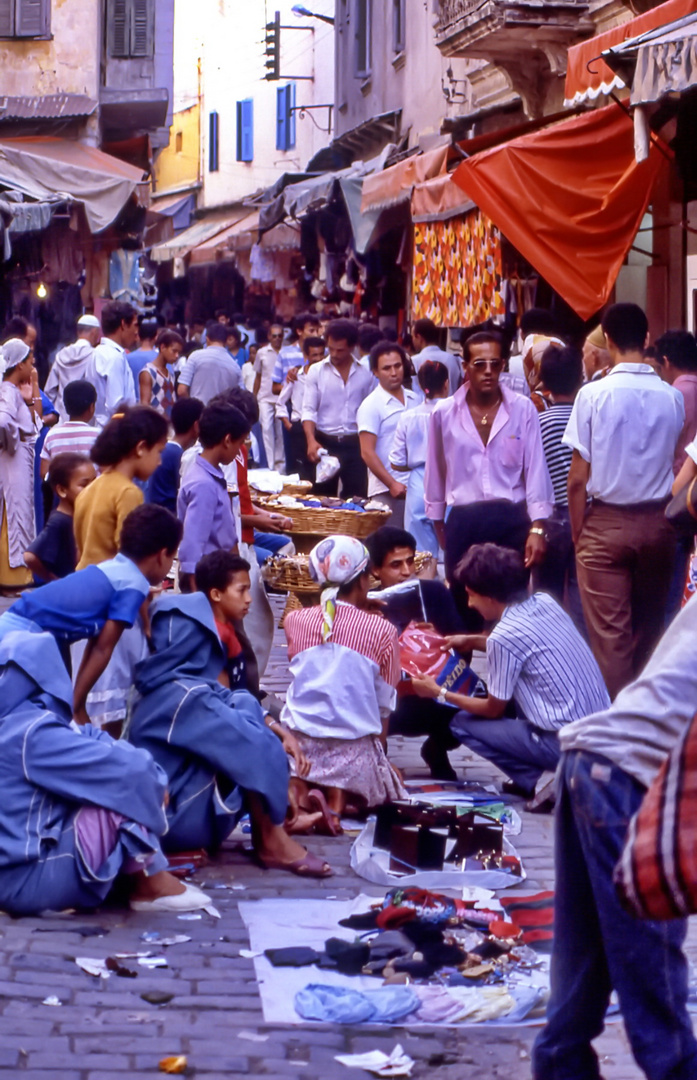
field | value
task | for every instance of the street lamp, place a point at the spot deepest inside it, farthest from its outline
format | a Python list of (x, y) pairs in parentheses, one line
[(303, 12)]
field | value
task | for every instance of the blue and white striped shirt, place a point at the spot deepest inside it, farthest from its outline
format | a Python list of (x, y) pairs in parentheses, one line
[(536, 656)]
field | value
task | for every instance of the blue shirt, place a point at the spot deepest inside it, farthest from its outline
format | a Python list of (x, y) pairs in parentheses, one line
[(289, 357), (163, 485), (137, 361), (205, 510), (536, 656), (77, 606)]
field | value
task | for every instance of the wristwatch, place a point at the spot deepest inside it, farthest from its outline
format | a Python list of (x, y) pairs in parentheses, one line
[(442, 696), (537, 530)]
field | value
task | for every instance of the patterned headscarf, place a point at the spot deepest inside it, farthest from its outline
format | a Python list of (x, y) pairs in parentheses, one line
[(336, 561)]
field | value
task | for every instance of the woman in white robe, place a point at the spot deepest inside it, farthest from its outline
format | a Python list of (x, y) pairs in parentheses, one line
[(20, 423)]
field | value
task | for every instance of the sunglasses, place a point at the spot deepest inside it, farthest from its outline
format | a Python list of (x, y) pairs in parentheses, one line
[(484, 365)]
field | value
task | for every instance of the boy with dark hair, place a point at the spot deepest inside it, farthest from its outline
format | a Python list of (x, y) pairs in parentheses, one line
[(75, 435), (108, 368), (203, 503), (535, 657), (99, 602), (54, 553), (163, 485), (211, 370)]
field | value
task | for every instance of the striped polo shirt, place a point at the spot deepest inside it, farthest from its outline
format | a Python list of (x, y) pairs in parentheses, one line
[(553, 425), (536, 656), (71, 437)]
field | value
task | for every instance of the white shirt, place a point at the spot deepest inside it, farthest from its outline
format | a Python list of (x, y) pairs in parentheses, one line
[(264, 365), (293, 392), (378, 415), (332, 404), (627, 426), (410, 442), (109, 372), (453, 364), (648, 717)]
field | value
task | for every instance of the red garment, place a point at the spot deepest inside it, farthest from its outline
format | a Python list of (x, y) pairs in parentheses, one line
[(245, 495), (230, 640)]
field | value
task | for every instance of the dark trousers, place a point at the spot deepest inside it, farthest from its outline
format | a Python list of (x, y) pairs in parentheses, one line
[(296, 452), (624, 558), (416, 716), (557, 573), (353, 473), (598, 947), (520, 750), (496, 521)]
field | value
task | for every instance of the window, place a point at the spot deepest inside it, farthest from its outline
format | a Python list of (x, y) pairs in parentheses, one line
[(398, 27), (245, 130), (363, 37), (179, 142), (285, 117), (25, 18), (213, 129), (131, 28)]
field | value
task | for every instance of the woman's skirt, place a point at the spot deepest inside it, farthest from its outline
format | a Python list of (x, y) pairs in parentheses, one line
[(358, 766)]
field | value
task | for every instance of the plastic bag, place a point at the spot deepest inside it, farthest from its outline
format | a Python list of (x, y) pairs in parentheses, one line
[(421, 655), (327, 467)]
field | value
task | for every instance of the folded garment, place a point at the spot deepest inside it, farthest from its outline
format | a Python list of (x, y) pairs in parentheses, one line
[(349, 957), (293, 956), (341, 1005), (535, 917)]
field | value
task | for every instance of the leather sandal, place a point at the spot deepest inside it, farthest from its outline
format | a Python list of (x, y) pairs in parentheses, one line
[(330, 818), (308, 866)]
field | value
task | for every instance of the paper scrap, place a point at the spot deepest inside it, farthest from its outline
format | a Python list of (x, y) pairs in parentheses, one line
[(52, 1000), (249, 954), (239, 888), (252, 1036), (189, 916), (92, 966), (375, 1061), (152, 961)]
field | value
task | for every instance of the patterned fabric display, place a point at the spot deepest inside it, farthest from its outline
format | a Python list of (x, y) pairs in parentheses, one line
[(457, 270)]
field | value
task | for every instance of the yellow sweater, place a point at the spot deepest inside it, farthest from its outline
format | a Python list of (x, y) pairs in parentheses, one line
[(99, 515)]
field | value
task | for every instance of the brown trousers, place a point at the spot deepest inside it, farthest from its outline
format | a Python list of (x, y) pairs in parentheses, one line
[(624, 561)]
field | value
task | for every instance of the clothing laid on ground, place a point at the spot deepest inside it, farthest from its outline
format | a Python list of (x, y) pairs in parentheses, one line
[(161, 391), (69, 437), (55, 544), (379, 415), (109, 372), (340, 692), (70, 364), (18, 433), (409, 450), (163, 485), (212, 742), (64, 787), (209, 372), (203, 507), (626, 426), (100, 511)]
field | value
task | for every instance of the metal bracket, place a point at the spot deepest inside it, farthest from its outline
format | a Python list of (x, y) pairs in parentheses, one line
[(302, 109)]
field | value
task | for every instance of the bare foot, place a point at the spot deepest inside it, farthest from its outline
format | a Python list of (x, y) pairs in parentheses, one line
[(303, 822), (161, 884), (278, 846)]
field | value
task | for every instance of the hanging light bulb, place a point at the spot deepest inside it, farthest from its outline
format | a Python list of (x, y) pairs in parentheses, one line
[(42, 291)]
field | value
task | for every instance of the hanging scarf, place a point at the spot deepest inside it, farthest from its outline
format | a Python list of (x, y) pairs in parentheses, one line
[(335, 561)]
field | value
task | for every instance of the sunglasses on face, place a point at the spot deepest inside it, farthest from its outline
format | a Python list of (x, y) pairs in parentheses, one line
[(485, 365)]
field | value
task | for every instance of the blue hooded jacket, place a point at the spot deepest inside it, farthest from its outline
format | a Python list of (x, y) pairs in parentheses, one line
[(49, 768), (212, 742)]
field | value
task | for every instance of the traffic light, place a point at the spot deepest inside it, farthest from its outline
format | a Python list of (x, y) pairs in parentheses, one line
[(273, 48)]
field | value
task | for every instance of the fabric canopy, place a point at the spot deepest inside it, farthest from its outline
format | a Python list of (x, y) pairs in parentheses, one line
[(394, 185), (570, 198), (438, 200), (46, 166), (662, 61), (190, 238), (220, 244), (583, 84)]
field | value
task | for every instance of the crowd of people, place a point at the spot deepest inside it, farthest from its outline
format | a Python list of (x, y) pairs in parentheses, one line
[(132, 655)]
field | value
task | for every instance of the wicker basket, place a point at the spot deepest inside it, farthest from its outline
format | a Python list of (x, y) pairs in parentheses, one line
[(302, 487), (290, 573), (322, 521)]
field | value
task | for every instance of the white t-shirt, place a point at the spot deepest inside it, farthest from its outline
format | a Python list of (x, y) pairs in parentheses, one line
[(379, 415), (264, 365)]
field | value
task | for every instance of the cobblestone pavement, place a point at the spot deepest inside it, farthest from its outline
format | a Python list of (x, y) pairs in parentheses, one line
[(105, 1030)]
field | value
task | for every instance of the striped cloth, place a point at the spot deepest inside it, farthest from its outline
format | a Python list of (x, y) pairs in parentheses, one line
[(553, 425), (537, 657), (370, 635), (71, 437)]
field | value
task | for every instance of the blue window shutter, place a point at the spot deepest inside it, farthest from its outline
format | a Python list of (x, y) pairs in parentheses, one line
[(282, 118), (213, 142), (245, 130), (291, 116)]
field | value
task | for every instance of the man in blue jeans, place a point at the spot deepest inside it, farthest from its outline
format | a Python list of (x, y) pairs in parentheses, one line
[(608, 760)]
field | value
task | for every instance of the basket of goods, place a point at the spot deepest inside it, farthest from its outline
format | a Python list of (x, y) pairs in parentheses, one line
[(297, 487), (290, 573), (324, 516), (266, 482)]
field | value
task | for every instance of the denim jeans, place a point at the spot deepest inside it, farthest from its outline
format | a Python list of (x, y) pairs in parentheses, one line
[(520, 750), (598, 947)]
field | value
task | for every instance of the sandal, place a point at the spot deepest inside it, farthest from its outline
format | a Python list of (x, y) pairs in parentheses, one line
[(331, 819), (308, 866)]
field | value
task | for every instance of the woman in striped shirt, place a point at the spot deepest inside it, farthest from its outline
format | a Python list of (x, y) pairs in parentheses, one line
[(344, 667)]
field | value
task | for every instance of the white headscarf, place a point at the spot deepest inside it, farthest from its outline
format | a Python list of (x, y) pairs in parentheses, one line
[(12, 353), (336, 561)]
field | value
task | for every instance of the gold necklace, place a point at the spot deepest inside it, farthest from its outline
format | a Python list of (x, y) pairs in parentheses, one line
[(484, 418)]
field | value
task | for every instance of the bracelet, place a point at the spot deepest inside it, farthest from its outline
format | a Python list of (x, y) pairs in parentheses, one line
[(442, 696), (536, 530)]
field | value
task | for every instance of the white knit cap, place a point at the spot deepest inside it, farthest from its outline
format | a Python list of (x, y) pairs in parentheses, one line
[(89, 320)]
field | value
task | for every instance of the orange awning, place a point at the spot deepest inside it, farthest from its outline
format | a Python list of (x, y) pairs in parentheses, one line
[(394, 185), (438, 200), (570, 198), (584, 85)]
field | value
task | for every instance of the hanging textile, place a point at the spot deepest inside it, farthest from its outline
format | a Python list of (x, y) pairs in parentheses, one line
[(457, 270)]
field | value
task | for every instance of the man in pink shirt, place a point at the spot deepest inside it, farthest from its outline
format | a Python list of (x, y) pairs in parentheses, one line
[(676, 355), (486, 475)]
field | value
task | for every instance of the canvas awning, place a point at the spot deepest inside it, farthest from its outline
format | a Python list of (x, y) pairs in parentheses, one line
[(588, 76), (438, 200), (241, 234), (43, 167), (205, 229), (570, 198), (659, 62), (392, 186)]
